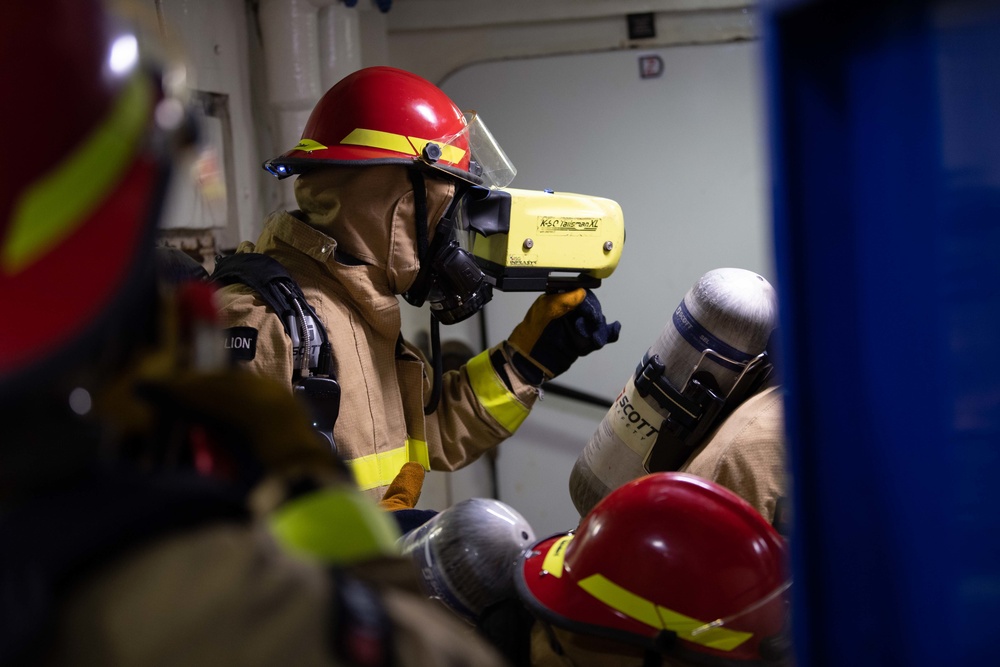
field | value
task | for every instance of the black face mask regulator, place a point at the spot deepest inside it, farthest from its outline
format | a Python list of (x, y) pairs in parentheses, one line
[(449, 279)]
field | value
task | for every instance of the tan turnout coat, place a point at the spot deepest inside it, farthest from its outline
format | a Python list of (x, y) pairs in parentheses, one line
[(352, 249), (225, 594), (747, 453)]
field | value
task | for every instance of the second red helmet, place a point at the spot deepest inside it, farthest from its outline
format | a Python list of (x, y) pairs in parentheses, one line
[(670, 563)]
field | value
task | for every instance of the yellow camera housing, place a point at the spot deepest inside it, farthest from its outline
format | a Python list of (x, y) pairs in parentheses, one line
[(545, 239)]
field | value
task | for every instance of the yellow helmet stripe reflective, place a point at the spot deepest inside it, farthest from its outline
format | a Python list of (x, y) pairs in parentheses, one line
[(493, 394), (449, 153), (653, 615), (57, 204), (303, 526), (397, 143), (308, 146), (554, 559), (380, 469)]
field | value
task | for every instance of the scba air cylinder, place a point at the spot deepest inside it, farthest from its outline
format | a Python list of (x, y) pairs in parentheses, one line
[(729, 311), (466, 554)]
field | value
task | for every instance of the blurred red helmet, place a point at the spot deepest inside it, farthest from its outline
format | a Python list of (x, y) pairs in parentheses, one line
[(670, 563), (82, 185), (383, 115)]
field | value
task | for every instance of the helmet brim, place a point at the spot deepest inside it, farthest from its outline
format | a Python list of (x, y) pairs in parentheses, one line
[(291, 164), (556, 598)]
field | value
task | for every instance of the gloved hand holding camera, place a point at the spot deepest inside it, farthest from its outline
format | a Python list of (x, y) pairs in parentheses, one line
[(558, 329)]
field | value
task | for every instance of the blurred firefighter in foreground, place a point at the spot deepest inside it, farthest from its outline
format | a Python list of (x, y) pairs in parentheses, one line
[(131, 464)]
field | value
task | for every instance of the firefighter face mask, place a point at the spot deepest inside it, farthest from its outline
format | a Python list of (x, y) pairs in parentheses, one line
[(450, 280)]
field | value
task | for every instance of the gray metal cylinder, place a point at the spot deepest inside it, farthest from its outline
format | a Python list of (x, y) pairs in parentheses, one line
[(723, 322), (466, 554)]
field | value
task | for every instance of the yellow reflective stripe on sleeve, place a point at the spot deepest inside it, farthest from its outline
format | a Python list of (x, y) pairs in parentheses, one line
[(53, 207), (653, 615), (376, 139), (493, 394), (308, 146), (335, 526), (380, 469), (553, 563), (416, 450)]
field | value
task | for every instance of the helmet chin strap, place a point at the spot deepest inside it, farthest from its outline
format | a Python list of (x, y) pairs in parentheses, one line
[(423, 232)]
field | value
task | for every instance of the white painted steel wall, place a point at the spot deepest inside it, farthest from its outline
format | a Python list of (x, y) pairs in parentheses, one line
[(683, 154), (215, 38)]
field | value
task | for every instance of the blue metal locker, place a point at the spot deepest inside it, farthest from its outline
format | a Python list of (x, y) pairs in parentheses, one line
[(884, 124)]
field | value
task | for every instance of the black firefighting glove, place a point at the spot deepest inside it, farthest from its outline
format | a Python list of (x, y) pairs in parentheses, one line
[(557, 330)]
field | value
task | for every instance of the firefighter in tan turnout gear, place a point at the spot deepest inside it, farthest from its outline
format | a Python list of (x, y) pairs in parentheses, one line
[(383, 167)]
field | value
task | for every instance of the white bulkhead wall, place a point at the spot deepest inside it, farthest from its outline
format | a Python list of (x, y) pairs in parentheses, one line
[(271, 60)]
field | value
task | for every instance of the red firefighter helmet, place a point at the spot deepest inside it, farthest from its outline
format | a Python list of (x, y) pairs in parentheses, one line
[(80, 196), (384, 115), (670, 563)]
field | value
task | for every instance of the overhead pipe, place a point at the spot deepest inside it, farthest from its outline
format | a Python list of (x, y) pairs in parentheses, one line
[(308, 46)]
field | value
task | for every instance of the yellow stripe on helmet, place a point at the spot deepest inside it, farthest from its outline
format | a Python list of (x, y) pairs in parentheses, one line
[(57, 204), (397, 143), (556, 556), (308, 146), (653, 615), (449, 153)]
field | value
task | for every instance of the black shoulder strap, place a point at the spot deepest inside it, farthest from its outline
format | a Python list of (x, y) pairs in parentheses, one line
[(51, 543), (265, 276), (273, 284)]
